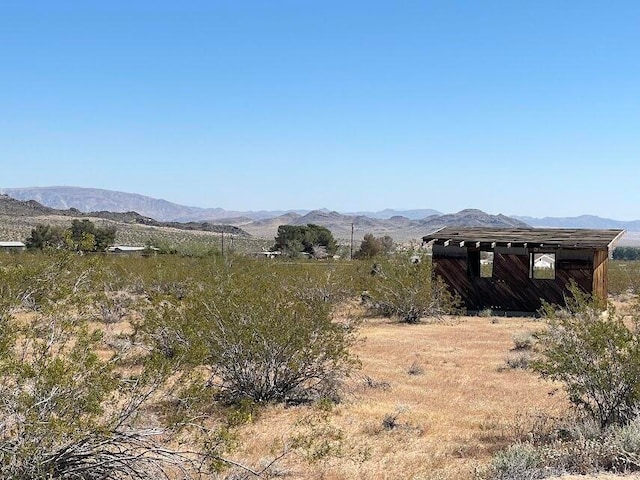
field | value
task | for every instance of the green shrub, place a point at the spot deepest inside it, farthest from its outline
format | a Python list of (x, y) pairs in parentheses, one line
[(576, 445), (265, 338), (596, 356), (403, 286), (65, 413), (518, 462)]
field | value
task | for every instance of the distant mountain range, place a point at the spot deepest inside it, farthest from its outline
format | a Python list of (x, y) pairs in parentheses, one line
[(95, 199), (583, 221), (400, 224), (398, 227), (118, 206)]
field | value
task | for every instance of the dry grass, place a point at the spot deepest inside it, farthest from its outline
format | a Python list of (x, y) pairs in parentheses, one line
[(445, 422), (601, 476)]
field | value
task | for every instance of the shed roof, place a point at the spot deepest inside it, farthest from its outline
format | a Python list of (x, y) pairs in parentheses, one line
[(525, 237)]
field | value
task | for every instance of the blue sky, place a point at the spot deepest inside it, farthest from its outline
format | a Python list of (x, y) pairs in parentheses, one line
[(529, 108)]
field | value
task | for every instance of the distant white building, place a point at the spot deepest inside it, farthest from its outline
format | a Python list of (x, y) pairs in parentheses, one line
[(545, 261), (12, 246), (129, 249), (267, 254)]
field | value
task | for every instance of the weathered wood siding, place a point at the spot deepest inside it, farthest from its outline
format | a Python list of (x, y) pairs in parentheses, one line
[(600, 274), (510, 288)]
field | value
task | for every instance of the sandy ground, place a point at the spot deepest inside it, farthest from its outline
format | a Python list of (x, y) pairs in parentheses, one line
[(601, 476)]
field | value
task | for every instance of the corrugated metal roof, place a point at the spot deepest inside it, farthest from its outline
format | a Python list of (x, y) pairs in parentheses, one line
[(525, 237)]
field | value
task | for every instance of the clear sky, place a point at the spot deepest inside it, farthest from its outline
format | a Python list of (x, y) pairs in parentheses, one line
[(529, 108)]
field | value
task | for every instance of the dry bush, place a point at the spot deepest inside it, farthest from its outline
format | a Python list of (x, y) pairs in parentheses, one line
[(596, 357), (406, 289), (521, 360), (68, 414), (523, 340)]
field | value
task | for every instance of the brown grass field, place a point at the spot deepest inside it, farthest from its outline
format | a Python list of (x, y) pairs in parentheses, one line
[(450, 418), (459, 407)]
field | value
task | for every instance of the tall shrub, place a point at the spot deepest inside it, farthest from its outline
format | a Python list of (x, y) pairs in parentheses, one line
[(596, 356)]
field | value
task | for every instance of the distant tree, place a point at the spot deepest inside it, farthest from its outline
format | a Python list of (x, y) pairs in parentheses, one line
[(387, 244), (83, 236), (86, 237), (626, 253), (289, 239), (369, 247), (372, 246), (318, 236), (105, 237), (295, 239), (45, 236)]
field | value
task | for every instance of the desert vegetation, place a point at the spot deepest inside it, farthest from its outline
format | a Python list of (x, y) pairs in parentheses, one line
[(311, 239), (210, 366), (372, 246), (593, 352)]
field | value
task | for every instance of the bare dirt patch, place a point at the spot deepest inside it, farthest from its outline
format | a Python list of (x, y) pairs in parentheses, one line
[(447, 418)]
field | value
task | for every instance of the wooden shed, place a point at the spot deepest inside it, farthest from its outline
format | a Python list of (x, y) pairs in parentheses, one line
[(514, 270)]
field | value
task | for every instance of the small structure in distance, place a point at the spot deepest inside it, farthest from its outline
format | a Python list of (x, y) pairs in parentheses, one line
[(12, 246), (515, 270), (130, 249)]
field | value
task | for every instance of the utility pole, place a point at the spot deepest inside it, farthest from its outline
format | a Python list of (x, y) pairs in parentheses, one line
[(222, 246), (351, 255)]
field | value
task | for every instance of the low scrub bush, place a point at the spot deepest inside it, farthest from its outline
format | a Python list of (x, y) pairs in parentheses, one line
[(523, 341), (577, 446), (520, 360), (374, 384), (415, 368), (404, 288), (518, 462), (263, 339), (65, 413), (596, 356)]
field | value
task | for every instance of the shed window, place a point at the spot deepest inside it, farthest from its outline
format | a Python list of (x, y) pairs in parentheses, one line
[(542, 266), (486, 264), (480, 264)]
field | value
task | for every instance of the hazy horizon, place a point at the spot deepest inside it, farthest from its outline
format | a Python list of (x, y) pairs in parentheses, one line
[(320, 208)]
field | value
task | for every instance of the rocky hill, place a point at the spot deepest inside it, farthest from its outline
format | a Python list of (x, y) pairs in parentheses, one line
[(10, 207), (94, 200), (399, 227)]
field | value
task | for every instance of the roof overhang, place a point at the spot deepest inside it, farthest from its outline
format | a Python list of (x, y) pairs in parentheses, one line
[(552, 238)]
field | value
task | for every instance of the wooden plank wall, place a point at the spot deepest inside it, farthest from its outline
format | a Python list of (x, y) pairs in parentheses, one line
[(510, 288), (601, 274)]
